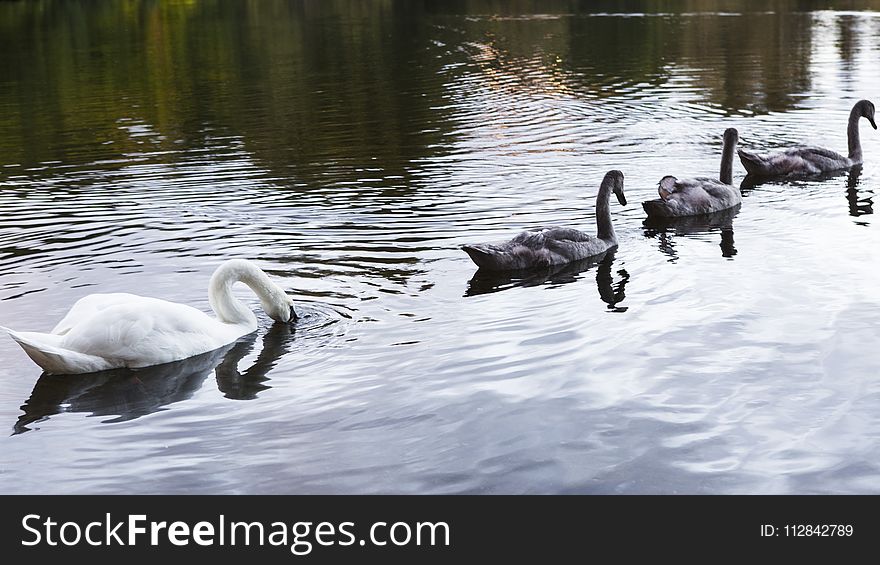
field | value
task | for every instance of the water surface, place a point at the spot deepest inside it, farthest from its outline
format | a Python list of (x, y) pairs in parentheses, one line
[(350, 148)]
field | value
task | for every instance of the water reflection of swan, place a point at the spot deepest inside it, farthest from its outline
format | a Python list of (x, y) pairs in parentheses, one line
[(245, 385), (484, 281), (665, 228), (131, 393)]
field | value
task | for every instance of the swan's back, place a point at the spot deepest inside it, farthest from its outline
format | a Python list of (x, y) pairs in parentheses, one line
[(504, 257), (88, 306), (540, 248), (144, 331), (795, 161), (104, 331), (692, 197)]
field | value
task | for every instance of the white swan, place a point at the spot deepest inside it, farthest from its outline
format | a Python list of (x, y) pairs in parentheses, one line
[(110, 331)]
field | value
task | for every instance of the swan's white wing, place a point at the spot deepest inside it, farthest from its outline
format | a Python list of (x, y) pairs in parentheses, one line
[(88, 306), (146, 331)]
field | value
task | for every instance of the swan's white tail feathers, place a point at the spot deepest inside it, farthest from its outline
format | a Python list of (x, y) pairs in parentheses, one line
[(45, 350)]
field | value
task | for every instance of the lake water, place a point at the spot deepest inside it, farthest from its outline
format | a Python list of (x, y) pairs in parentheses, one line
[(350, 148)]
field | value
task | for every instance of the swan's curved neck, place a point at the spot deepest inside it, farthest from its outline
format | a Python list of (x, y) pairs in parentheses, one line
[(229, 309), (852, 136), (603, 211), (726, 174)]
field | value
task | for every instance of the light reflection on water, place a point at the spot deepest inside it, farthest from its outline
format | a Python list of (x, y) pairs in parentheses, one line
[(350, 152)]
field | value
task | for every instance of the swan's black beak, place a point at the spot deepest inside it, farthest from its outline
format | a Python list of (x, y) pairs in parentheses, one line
[(621, 198), (293, 317)]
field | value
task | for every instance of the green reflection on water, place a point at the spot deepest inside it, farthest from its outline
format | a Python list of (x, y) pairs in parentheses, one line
[(349, 86)]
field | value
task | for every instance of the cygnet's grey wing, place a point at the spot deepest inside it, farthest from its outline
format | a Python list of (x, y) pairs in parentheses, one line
[(721, 192), (812, 152), (565, 234), (684, 186), (539, 248), (691, 197), (571, 244), (820, 159), (528, 239), (796, 161), (526, 250)]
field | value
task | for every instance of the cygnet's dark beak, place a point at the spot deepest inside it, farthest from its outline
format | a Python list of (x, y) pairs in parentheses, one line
[(871, 119), (621, 198)]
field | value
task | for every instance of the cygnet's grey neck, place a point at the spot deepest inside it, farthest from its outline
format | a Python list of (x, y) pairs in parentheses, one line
[(603, 210), (852, 135), (726, 174)]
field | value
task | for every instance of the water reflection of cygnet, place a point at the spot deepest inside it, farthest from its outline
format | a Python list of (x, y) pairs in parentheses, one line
[(667, 229), (858, 206), (752, 181), (484, 282), (128, 394), (859, 202)]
